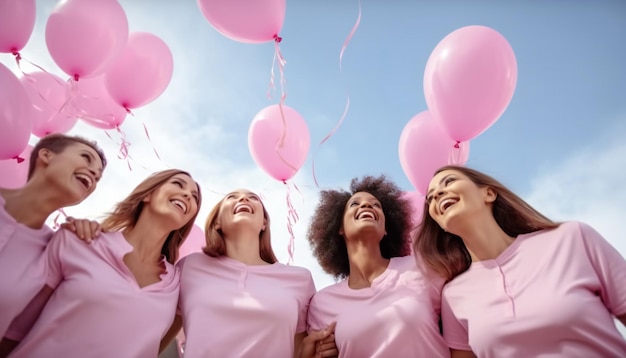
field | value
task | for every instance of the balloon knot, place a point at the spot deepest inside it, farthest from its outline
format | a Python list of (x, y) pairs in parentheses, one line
[(76, 77), (285, 182), (16, 54), (456, 145), (18, 159), (277, 38)]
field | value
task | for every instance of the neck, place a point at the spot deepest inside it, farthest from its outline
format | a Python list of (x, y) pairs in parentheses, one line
[(484, 238), (31, 204), (244, 246), (147, 238), (366, 262)]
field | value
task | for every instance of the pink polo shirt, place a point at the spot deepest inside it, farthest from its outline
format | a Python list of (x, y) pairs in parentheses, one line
[(552, 293), (22, 269), (230, 309), (398, 316), (97, 308)]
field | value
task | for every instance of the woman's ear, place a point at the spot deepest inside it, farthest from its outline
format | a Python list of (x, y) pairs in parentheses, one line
[(490, 194), (44, 155)]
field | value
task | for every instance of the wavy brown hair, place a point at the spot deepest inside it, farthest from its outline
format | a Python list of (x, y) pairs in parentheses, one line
[(329, 247), (446, 254), (216, 246), (126, 213), (57, 143)]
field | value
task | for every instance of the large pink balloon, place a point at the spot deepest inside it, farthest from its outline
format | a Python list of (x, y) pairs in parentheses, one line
[(279, 145), (17, 20), (193, 243), (247, 21), (14, 171), (85, 36), (15, 116), (469, 80), (424, 147), (142, 72), (94, 105), (47, 96)]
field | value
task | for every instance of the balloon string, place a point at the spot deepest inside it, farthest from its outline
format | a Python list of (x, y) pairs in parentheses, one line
[(456, 154), (19, 59), (345, 111), (124, 144), (292, 219), (56, 224)]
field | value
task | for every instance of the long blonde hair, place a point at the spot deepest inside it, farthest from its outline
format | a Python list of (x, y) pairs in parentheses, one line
[(216, 246), (126, 213), (446, 253)]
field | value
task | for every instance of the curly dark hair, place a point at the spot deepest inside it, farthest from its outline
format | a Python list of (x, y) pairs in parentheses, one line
[(329, 247)]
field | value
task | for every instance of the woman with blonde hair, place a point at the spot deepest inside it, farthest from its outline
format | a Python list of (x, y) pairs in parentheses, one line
[(236, 299), (117, 296), (518, 284)]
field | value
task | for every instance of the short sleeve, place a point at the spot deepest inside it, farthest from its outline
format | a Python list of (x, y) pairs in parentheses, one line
[(610, 266), (454, 333), (314, 323), (54, 252), (304, 304)]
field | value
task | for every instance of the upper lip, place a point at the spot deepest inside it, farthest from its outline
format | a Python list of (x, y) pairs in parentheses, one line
[(86, 179), (366, 211), (243, 206), (180, 203), (446, 202)]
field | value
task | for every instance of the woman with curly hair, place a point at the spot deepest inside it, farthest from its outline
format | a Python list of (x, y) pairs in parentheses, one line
[(384, 305), (519, 284)]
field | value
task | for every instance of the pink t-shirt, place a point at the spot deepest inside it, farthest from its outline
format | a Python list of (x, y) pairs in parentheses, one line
[(230, 309), (398, 316), (97, 308), (22, 268), (552, 293)]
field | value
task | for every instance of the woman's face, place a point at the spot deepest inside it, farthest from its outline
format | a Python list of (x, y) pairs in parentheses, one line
[(363, 214), (177, 198), (241, 207)]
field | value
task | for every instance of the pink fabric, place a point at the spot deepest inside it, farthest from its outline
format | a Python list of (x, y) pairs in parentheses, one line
[(551, 293), (231, 309), (396, 317), (98, 309), (21, 265)]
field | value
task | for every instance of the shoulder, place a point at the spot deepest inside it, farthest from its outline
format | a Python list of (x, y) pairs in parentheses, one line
[(294, 270), (192, 260), (330, 291)]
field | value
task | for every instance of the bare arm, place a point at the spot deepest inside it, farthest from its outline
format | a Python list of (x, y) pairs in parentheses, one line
[(26, 320), (317, 344), (622, 319), (461, 354), (171, 333), (297, 344)]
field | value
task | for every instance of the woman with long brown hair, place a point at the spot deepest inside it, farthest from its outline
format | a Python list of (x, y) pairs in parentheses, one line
[(117, 296), (518, 284)]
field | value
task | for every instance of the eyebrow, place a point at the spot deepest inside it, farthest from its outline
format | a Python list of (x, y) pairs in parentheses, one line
[(441, 181)]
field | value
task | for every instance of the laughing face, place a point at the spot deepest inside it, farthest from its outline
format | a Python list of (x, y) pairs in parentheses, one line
[(177, 199), (363, 213), (452, 195), (241, 207), (75, 171)]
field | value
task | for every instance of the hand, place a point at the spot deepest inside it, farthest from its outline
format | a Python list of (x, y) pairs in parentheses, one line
[(86, 230), (320, 343)]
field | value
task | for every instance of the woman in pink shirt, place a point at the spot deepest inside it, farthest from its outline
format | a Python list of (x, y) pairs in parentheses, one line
[(117, 296), (519, 285), (384, 305), (63, 171), (236, 300)]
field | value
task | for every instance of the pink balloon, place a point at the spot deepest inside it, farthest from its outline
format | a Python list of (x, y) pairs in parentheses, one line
[(469, 80), (15, 171), (85, 36), (47, 96), (94, 105), (425, 147), (247, 21), (142, 72), (279, 147), (15, 116), (194, 242), (17, 20), (417, 205)]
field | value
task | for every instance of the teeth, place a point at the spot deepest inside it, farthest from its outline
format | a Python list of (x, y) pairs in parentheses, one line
[(446, 203), (180, 204), (243, 208), (366, 214), (85, 180)]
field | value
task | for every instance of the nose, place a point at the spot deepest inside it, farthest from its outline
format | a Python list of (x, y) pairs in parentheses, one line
[(366, 204), (243, 197)]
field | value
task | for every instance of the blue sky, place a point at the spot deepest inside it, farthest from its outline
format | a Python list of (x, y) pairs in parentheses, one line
[(559, 144)]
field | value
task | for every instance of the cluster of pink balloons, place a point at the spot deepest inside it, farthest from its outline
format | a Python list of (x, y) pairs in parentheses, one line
[(469, 80), (111, 71)]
